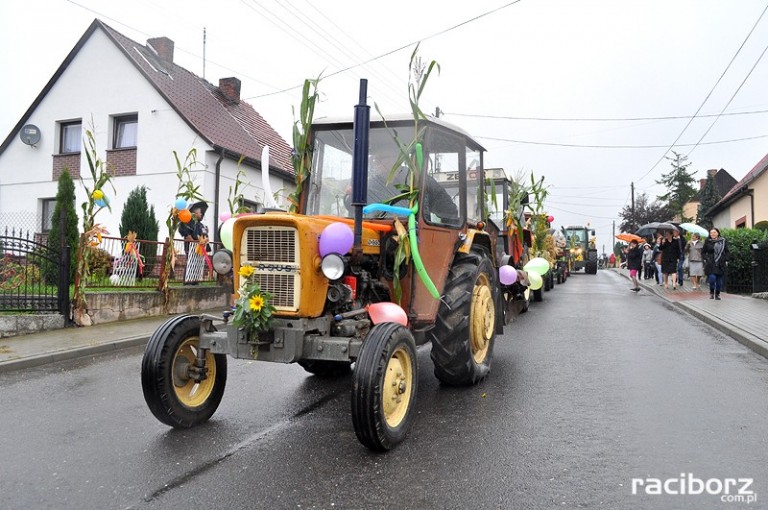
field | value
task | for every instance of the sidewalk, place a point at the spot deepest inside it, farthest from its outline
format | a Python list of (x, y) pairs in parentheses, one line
[(36, 349), (741, 317)]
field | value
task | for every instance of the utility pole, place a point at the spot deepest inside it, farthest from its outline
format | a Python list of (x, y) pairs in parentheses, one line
[(632, 221)]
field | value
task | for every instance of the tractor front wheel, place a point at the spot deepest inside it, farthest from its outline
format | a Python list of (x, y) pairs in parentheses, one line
[(174, 390), (384, 386), (465, 329)]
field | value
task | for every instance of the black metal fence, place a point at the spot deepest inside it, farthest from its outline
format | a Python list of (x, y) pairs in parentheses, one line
[(34, 273), (760, 267)]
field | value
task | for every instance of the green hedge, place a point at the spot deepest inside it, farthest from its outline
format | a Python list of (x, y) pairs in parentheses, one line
[(738, 276)]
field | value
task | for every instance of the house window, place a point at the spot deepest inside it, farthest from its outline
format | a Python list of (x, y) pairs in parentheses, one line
[(49, 204), (741, 222), (126, 128), (70, 137)]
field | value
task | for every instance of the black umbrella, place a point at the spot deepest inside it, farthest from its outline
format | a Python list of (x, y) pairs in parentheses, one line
[(651, 228)]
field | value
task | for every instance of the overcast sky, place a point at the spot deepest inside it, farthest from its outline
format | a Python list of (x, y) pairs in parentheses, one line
[(612, 68)]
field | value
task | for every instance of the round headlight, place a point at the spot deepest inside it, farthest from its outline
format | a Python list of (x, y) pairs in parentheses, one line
[(222, 261), (332, 266)]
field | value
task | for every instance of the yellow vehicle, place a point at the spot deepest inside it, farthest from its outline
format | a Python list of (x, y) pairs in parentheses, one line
[(333, 309)]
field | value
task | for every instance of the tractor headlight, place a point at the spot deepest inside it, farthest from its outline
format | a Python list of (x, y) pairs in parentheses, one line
[(222, 261), (332, 266)]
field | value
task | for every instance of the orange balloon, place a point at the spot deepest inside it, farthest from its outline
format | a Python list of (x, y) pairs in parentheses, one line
[(185, 216)]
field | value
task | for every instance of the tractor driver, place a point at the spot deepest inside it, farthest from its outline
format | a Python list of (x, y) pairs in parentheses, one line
[(438, 205)]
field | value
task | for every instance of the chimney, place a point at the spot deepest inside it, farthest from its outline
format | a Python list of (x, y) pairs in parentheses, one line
[(710, 174), (702, 183), (230, 87), (163, 47)]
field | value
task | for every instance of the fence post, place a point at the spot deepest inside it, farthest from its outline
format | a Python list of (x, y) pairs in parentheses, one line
[(63, 297), (161, 280)]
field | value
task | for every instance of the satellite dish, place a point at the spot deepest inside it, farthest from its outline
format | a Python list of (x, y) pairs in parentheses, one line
[(30, 134)]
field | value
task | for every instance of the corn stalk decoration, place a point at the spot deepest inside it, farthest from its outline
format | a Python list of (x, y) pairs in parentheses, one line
[(235, 197), (301, 157), (190, 192), (411, 156), (95, 201)]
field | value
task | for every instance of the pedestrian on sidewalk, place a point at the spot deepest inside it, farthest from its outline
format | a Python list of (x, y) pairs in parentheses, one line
[(695, 261), (670, 255), (634, 263), (649, 268), (681, 260), (657, 259), (612, 260), (715, 255)]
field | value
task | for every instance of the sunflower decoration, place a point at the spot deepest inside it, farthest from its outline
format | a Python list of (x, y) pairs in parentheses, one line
[(94, 235), (253, 307)]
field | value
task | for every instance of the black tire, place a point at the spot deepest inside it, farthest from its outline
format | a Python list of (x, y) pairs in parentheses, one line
[(547, 281), (538, 295), (464, 332), (384, 386), (326, 369), (591, 265), (527, 301), (174, 398)]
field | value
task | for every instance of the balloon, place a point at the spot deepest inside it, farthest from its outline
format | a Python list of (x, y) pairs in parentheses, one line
[(387, 312), (224, 216), (185, 216), (537, 265), (114, 279), (97, 194), (226, 231), (536, 281), (180, 204), (550, 218), (507, 275), (336, 238), (101, 202)]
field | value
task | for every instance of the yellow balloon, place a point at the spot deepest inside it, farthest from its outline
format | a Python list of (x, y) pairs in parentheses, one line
[(535, 280), (97, 194)]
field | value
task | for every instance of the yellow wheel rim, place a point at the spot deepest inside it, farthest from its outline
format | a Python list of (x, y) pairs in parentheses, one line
[(398, 381), (482, 319), (189, 392)]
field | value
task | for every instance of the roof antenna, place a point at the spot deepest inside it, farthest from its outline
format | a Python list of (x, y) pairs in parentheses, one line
[(203, 52)]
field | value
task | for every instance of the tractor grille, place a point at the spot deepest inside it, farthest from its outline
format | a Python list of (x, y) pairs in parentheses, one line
[(273, 252)]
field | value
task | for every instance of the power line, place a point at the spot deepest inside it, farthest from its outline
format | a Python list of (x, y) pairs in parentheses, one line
[(602, 119), (729, 101), (391, 52), (579, 146), (706, 98)]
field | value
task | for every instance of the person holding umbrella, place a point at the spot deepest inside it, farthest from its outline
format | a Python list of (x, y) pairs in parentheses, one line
[(715, 254), (670, 254)]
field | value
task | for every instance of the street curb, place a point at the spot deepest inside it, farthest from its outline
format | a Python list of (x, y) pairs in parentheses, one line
[(69, 354), (750, 341)]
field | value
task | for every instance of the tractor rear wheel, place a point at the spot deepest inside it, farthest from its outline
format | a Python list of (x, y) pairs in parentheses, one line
[(384, 386), (465, 329), (171, 391), (591, 264)]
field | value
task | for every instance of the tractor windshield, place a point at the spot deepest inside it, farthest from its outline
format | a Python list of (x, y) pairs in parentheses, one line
[(330, 190)]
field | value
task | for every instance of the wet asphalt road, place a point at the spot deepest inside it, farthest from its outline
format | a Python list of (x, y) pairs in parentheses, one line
[(593, 387)]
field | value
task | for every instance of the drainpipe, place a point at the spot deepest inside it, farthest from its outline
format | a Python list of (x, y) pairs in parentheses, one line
[(752, 207), (216, 236)]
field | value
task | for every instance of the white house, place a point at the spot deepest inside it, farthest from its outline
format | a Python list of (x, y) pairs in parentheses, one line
[(141, 107), (746, 204)]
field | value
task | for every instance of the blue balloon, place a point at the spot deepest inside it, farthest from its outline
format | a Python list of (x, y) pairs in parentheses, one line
[(101, 202), (180, 204)]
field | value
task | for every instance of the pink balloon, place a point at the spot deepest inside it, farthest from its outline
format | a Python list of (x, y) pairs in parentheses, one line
[(507, 275), (224, 216), (387, 312), (550, 219), (336, 238)]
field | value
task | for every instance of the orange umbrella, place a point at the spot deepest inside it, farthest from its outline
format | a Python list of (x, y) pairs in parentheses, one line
[(630, 237)]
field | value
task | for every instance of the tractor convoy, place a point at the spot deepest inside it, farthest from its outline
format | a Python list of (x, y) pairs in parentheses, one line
[(394, 245)]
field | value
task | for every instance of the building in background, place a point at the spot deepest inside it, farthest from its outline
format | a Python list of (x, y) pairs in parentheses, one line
[(141, 107)]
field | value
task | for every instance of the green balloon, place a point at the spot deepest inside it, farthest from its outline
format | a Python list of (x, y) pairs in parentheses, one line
[(537, 265), (535, 280), (226, 233)]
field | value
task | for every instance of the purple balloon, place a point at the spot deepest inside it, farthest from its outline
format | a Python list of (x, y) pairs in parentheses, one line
[(336, 238), (507, 275)]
